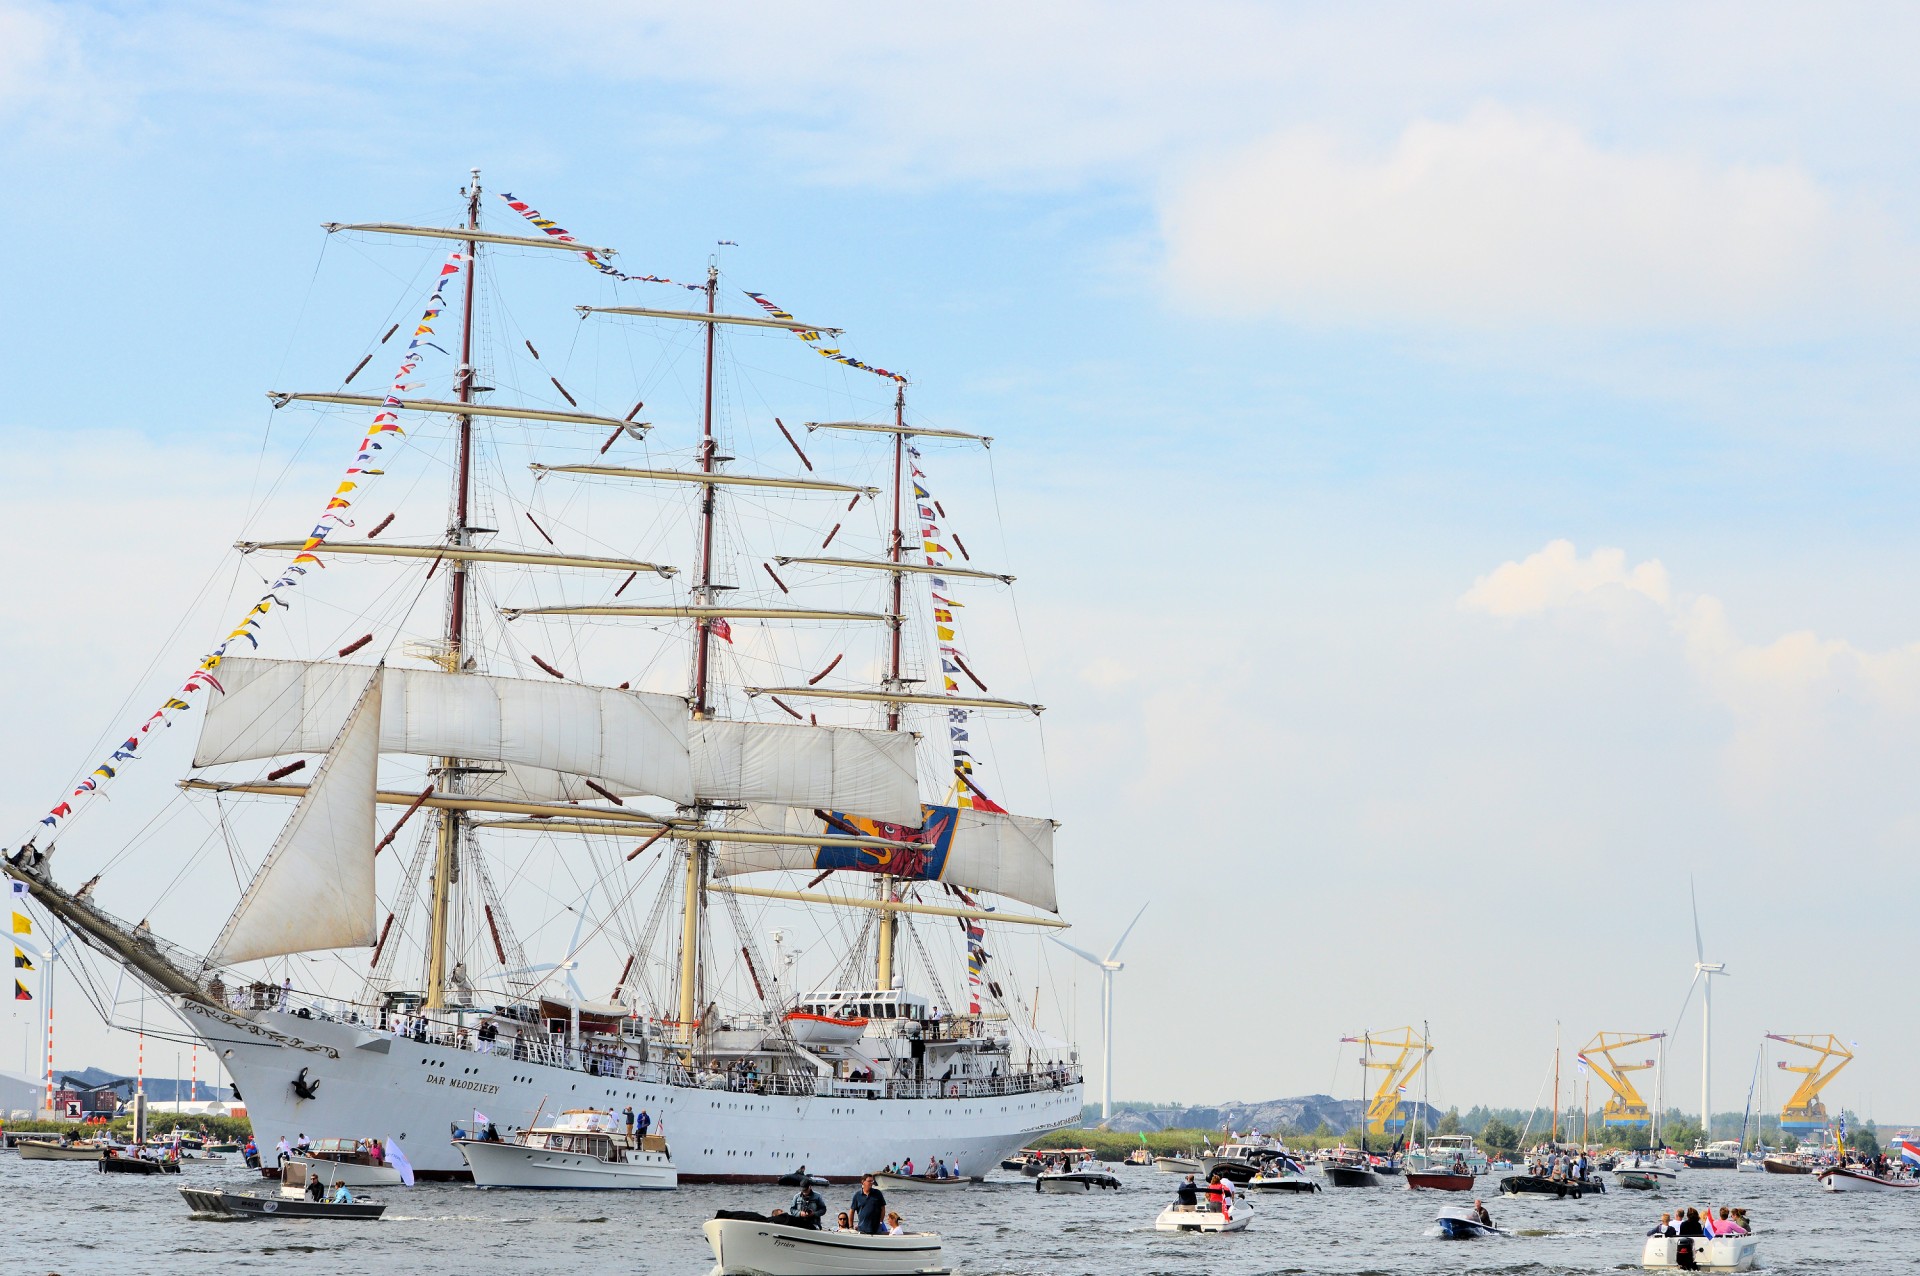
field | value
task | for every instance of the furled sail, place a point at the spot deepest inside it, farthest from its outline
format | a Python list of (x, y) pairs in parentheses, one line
[(633, 740), (1009, 855), (315, 889), (837, 768)]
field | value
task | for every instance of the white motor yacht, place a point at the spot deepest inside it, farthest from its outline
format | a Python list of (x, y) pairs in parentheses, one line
[(583, 1148), (1204, 1217)]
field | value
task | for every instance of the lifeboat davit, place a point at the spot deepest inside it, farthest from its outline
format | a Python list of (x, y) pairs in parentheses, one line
[(823, 1030)]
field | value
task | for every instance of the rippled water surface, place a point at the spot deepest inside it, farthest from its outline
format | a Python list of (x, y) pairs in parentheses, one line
[(69, 1218)]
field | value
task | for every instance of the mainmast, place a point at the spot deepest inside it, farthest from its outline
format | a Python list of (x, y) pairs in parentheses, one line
[(890, 921), (446, 864), (696, 868)]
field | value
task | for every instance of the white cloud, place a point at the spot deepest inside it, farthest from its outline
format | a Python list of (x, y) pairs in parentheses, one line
[(1790, 677), (1557, 575), (1503, 219)]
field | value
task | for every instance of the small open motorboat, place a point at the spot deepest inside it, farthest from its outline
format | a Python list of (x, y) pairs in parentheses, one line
[(292, 1201), (50, 1150), (1700, 1253), (811, 1029), (1840, 1178), (915, 1182), (1281, 1176), (749, 1245), (114, 1161), (1439, 1181), (1075, 1182), (796, 1178), (1458, 1223), (1349, 1171), (1558, 1189), (1177, 1164), (1140, 1157), (1786, 1165), (1203, 1217), (346, 1161)]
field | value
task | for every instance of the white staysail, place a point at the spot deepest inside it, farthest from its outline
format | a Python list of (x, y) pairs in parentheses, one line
[(315, 889), (1010, 855), (634, 741), (867, 773)]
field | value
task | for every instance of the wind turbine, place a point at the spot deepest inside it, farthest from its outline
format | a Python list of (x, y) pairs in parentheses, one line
[(567, 967), (1703, 969), (1109, 967)]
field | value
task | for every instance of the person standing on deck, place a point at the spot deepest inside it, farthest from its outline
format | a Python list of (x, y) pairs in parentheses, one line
[(869, 1208)]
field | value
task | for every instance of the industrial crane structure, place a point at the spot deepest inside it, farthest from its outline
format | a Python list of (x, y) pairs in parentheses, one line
[(1803, 1113), (1403, 1052), (1625, 1107)]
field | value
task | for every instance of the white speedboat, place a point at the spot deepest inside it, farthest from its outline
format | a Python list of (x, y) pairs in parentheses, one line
[(1203, 1218), (583, 1149), (1643, 1176), (336, 1161), (1837, 1178), (1705, 1253), (747, 1247), (1177, 1164), (1281, 1176), (1076, 1182)]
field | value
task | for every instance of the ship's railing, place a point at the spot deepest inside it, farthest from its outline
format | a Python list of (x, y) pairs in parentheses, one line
[(623, 1061)]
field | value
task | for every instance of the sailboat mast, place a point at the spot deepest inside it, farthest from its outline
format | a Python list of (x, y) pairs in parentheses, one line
[(889, 921), (703, 637), (446, 868), (1553, 1135)]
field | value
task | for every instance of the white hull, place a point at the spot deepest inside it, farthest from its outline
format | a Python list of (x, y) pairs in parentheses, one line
[(915, 1182), (1835, 1180), (1176, 1164), (1179, 1218), (30, 1151), (1715, 1254), (511, 1165), (372, 1084), (348, 1172), (742, 1248), (1646, 1173)]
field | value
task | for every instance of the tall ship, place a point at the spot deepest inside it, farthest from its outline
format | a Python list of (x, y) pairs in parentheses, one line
[(646, 768)]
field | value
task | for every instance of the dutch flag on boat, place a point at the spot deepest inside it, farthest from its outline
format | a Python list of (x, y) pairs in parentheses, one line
[(1909, 1153)]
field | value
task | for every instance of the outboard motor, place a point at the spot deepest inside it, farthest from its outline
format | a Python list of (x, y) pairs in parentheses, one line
[(1683, 1255)]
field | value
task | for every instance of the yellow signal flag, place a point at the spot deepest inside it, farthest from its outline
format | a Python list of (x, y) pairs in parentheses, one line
[(22, 924)]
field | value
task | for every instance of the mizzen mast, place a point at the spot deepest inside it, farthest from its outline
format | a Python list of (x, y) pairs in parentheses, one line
[(883, 886), (446, 864)]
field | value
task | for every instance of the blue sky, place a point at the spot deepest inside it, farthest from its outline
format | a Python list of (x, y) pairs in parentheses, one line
[(1296, 322)]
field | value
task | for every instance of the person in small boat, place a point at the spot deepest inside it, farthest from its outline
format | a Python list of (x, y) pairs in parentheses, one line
[(1187, 1195), (1220, 1194), (806, 1209), (316, 1190), (1690, 1225), (843, 1221), (342, 1195), (1727, 1225), (869, 1207), (1664, 1227), (895, 1225), (642, 1123), (1480, 1212), (907, 1169), (280, 1151)]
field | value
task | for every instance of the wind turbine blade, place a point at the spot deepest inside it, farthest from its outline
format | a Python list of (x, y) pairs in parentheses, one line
[(573, 986), (1115, 950), (1687, 1001), (1699, 949), (532, 970), (1081, 953)]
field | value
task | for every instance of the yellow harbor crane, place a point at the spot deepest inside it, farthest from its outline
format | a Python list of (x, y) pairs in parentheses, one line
[(1403, 1053), (1803, 1113), (1626, 1107)]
